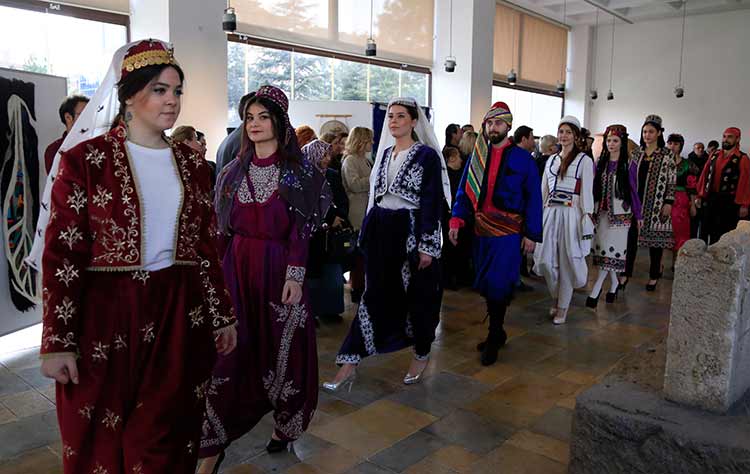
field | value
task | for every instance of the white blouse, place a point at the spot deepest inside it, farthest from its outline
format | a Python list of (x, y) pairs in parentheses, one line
[(160, 191), (575, 188)]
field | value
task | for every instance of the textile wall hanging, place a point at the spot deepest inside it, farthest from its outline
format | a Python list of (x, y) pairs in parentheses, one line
[(19, 187)]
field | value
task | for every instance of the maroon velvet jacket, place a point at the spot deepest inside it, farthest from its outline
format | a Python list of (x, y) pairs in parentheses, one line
[(96, 226)]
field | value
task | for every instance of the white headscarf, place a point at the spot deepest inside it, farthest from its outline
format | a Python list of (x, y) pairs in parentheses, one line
[(426, 136), (95, 119)]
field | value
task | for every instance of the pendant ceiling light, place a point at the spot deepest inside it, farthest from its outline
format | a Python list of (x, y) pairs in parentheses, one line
[(229, 19), (679, 91), (512, 76), (450, 61), (594, 93), (371, 49), (610, 94)]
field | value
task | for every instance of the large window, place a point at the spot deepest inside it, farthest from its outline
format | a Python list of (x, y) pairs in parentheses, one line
[(305, 76), (403, 29), (539, 111), (59, 45)]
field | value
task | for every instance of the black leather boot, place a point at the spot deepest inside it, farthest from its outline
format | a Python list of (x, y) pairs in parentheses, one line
[(496, 336)]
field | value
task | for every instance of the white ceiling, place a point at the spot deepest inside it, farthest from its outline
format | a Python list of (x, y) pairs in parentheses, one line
[(579, 12)]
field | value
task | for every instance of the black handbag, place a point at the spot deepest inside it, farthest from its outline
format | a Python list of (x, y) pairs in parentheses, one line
[(340, 244)]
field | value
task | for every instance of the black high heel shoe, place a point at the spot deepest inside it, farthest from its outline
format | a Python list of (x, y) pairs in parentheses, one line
[(276, 446), (651, 287), (611, 297), (592, 302)]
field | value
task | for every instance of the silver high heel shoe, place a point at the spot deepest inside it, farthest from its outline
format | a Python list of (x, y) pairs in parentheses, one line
[(412, 379), (346, 381)]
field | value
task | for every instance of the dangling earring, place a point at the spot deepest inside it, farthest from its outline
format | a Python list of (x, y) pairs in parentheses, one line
[(128, 116)]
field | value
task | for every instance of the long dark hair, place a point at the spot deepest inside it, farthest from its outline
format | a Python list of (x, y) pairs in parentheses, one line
[(414, 114), (568, 159), (289, 153), (622, 174), (135, 81), (660, 141)]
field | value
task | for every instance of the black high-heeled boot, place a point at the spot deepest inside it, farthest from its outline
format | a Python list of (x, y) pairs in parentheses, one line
[(592, 302), (276, 445), (496, 336)]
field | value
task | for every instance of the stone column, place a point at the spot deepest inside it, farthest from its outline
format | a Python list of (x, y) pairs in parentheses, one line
[(708, 349), (465, 95)]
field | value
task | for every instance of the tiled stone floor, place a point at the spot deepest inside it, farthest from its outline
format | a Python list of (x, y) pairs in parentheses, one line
[(513, 417)]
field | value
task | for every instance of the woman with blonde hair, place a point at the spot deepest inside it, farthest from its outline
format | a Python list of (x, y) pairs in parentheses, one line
[(355, 173), (466, 145)]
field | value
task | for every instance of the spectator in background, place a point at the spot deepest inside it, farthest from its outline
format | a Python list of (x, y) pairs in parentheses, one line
[(456, 258), (547, 148), (70, 109), (355, 174), (587, 142), (337, 141), (230, 146), (453, 135), (202, 140), (698, 156), (523, 137), (324, 274), (468, 128), (466, 146), (204, 148), (187, 135), (713, 147), (697, 159), (305, 134), (196, 141)]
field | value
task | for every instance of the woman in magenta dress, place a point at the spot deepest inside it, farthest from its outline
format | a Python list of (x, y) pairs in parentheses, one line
[(268, 201)]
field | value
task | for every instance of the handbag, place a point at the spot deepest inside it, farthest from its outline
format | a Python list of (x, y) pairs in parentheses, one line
[(340, 244)]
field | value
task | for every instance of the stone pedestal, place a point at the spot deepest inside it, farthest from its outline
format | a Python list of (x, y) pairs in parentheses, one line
[(708, 348), (622, 428), (700, 422)]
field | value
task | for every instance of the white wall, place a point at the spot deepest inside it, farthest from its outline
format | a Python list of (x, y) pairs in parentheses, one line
[(194, 29), (304, 113), (201, 48), (49, 93), (716, 71)]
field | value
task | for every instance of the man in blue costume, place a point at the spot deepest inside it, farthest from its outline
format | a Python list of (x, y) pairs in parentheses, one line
[(500, 194)]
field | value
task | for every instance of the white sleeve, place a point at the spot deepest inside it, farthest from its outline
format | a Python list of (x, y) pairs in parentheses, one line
[(587, 185)]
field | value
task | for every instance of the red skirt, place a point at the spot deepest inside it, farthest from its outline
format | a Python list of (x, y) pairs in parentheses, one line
[(146, 357), (681, 219)]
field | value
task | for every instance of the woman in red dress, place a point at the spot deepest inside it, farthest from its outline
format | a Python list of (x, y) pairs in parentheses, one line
[(134, 302)]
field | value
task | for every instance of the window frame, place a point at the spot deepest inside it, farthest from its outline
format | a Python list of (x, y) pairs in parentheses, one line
[(294, 48), (534, 90), (82, 13)]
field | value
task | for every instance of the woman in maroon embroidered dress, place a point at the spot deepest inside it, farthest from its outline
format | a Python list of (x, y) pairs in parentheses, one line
[(268, 201), (133, 293)]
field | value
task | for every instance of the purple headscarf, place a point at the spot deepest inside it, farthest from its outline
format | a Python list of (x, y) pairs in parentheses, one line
[(301, 184), (315, 151)]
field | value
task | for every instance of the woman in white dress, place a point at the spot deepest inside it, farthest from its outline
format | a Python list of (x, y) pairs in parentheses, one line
[(567, 226)]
